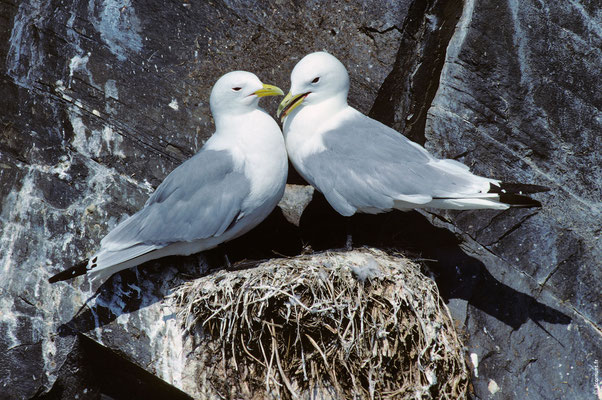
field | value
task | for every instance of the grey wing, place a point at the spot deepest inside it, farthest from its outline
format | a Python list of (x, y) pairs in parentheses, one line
[(199, 199), (368, 166)]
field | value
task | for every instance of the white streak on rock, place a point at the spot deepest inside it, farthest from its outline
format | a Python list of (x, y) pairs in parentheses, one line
[(112, 141), (521, 44), (89, 141), (457, 42), (166, 338), (8, 321), (118, 26), (15, 220), (26, 58), (84, 141), (77, 62), (474, 358), (111, 92), (111, 89)]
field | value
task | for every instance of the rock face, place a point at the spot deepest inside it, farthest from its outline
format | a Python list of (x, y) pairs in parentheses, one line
[(99, 100), (515, 100), (520, 101)]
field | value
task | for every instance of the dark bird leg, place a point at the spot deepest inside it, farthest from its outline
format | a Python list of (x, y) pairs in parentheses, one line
[(227, 261), (349, 234)]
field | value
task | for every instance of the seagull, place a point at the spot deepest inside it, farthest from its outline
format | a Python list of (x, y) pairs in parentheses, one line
[(361, 165), (226, 189)]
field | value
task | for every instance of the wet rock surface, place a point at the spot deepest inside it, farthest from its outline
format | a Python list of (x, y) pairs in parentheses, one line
[(100, 100)]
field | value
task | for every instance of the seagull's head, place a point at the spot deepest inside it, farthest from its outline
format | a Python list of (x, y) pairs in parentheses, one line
[(317, 77), (239, 92)]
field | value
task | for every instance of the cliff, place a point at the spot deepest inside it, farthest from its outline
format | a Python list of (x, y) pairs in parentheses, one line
[(100, 100)]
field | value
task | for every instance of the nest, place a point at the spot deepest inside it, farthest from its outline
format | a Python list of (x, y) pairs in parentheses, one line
[(344, 325)]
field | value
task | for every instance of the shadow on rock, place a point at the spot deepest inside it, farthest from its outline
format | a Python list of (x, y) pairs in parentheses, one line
[(91, 371), (458, 275)]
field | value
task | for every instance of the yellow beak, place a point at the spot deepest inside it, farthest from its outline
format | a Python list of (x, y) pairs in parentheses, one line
[(289, 103), (269, 90)]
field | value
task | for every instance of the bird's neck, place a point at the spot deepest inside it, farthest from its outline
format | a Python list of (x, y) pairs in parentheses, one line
[(253, 130), (307, 118), (304, 127), (233, 121)]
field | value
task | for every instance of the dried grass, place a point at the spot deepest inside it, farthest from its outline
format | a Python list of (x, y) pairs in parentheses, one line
[(355, 325)]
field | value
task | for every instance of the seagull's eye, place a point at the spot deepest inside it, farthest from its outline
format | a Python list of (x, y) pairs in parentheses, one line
[(316, 79), (236, 89)]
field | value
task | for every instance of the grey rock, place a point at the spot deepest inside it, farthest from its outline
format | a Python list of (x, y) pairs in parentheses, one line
[(516, 101), (528, 111), (295, 200)]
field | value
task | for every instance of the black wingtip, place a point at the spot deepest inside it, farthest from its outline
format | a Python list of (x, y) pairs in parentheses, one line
[(516, 188), (76, 270), (516, 200), (514, 193)]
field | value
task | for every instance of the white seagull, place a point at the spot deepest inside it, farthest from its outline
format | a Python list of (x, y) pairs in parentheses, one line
[(361, 165), (222, 192)]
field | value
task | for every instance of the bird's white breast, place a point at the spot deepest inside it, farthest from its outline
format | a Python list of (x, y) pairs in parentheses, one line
[(305, 127), (303, 131), (257, 147)]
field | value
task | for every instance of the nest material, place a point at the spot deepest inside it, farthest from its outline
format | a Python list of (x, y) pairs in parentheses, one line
[(343, 325)]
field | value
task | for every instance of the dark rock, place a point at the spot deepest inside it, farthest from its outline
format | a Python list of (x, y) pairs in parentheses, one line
[(515, 101), (406, 94), (92, 371), (99, 101)]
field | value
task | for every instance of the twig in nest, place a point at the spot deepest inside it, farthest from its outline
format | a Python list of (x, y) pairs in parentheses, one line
[(388, 336)]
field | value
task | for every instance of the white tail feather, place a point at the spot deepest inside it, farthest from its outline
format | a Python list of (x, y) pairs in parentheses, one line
[(467, 204)]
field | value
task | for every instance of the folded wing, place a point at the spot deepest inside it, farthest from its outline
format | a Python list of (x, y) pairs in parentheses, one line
[(370, 167), (200, 199)]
